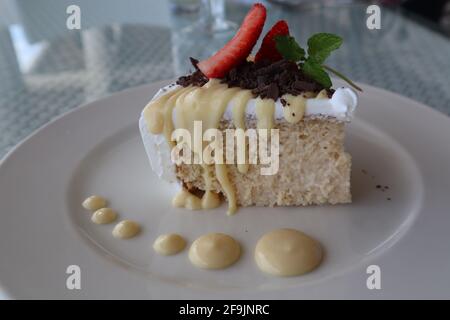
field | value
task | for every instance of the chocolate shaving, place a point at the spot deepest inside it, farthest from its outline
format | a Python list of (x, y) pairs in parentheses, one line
[(194, 62), (264, 78), (271, 80), (197, 78)]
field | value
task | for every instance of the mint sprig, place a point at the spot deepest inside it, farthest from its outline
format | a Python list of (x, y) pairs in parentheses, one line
[(320, 46), (340, 75), (315, 71), (289, 48)]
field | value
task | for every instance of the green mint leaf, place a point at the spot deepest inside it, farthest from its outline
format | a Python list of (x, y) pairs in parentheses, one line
[(321, 45), (315, 71), (289, 48)]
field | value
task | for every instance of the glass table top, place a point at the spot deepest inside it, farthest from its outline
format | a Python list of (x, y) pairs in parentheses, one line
[(46, 69)]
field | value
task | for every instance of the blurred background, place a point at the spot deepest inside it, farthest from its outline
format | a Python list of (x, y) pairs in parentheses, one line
[(48, 68)]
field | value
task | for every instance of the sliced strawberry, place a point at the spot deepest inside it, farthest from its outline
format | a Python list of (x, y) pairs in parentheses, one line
[(268, 50), (238, 48)]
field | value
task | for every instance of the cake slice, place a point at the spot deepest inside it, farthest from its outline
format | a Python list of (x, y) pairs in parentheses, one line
[(278, 102)]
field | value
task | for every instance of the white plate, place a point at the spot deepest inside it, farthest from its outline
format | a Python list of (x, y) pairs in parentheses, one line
[(97, 150)]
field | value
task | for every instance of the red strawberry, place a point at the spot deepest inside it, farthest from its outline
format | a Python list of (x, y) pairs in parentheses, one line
[(268, 48), (238, 48)]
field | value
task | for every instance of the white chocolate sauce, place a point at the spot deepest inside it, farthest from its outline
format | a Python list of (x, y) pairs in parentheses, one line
[(185, 199), (178, 107), (94, 203), (287, 252), (104, 216), (214, 251), (169, 244), (126, 229)]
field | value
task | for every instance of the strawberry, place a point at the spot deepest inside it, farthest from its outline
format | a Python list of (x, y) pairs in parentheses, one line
[(268, 50), (238, 48)]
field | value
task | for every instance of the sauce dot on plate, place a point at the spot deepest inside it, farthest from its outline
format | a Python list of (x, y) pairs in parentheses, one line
[(214, 251), (126, 229), (104, 216), (94, 203), (287, 252), (169, 244)]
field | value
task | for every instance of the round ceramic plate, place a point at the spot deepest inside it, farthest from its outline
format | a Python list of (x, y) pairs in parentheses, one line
[(403, 229)]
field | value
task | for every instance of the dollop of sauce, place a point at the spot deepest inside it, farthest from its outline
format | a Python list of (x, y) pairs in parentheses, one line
[(104, 216), (94, 203), (126, 229), (287, 252), (214, 251), (169, 244), (294, 109)]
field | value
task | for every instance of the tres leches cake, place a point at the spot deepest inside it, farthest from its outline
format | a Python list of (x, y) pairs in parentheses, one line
[(281, 98)]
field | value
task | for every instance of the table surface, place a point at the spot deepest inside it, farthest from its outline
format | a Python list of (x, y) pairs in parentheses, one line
[(46, 69)]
